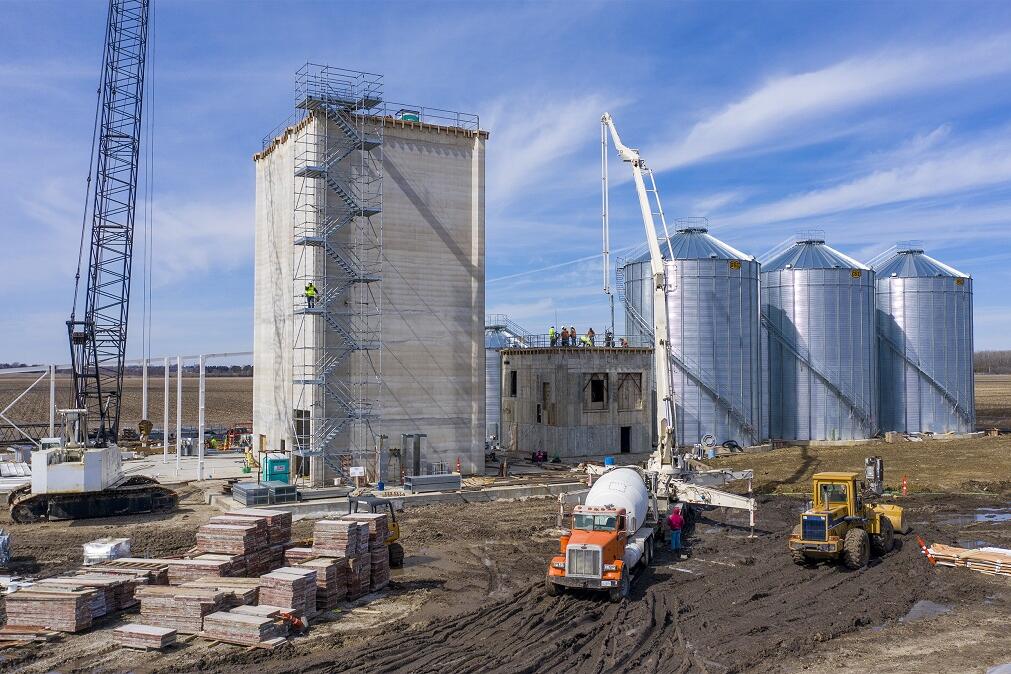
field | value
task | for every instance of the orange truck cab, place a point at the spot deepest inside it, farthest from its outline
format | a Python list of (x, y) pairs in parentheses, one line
[(598, 550)]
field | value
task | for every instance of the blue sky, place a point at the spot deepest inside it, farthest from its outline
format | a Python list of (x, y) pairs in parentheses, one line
[(876, 122)]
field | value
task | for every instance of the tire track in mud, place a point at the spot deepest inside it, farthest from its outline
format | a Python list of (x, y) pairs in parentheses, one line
[(532, 632)]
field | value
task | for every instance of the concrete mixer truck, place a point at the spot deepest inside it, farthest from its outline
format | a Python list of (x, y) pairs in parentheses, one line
[(611, 533)]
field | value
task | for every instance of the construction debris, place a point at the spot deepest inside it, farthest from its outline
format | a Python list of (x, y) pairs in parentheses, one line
[(146, 637), (105, 550), (991, 561)]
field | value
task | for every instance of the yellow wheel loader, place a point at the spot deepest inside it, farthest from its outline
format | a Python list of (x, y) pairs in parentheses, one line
[(842, 525)]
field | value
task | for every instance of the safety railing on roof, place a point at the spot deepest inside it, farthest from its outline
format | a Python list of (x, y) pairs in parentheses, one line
[(598, 341)]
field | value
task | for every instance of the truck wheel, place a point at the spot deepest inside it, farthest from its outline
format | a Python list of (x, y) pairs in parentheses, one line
[(883, 542), (620, 592), (798, 556), (551, 588), (856, 549)]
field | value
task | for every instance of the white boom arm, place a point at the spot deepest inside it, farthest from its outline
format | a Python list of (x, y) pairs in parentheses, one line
[(665, 417)]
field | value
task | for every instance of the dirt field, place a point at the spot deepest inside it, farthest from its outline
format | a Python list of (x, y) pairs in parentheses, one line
[(976, 465), (993, 401), (229, 399), (471, 599)]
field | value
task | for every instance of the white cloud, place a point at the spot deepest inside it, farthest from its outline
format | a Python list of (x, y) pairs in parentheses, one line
[(980, 163), (785, 107)]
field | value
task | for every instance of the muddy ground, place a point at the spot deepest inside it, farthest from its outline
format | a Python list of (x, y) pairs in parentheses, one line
[(471, 599)]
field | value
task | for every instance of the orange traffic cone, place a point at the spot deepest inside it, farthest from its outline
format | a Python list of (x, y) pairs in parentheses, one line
[(458, 465), (905, 486)]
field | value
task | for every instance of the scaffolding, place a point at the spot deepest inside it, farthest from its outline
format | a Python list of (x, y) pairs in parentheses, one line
[(338, 238)]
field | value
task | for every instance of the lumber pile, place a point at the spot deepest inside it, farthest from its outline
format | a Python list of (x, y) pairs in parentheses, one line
[(179, 608), (54, 608), (338, 538), (290, 587), (244, 629), (146, 571), (21, 634), (112, 592), (991, 561), (232, 539), (380, 557), (241, 591), (359, 575), (331, 580), (146, 637), (278, 522), (295, 556), (376, 522)]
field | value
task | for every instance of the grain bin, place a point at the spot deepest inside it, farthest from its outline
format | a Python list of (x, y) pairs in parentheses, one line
[(924, 322), (712, 306), (820, 351)]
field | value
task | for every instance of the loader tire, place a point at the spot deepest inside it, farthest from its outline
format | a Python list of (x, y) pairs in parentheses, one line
[(882, 544), (552, 588), (620, 592), (798, 556), (856, 549)]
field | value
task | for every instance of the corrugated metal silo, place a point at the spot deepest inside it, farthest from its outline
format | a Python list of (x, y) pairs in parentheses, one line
[(712, 307), (820, 351), (924, 312)]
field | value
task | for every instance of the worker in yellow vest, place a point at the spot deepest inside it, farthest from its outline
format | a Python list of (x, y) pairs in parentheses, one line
[(310, 294), (553, 336)]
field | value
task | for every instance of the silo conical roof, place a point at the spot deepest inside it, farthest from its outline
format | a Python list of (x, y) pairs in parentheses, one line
[(811, 253), (696, 243), (914, 263)]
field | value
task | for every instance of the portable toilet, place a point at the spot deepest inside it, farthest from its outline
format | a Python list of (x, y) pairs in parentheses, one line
[(275, 467)]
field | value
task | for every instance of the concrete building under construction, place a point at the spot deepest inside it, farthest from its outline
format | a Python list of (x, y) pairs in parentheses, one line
[(574, 402), (369, 289)]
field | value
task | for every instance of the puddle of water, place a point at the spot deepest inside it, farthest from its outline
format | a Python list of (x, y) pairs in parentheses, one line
[(924, 609), (988, 515), (1000, 669)]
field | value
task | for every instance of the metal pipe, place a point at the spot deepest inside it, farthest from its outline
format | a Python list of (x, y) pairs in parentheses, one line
[(52, 401), (179, 410), (164, 438), (200, 428), (143, 396)]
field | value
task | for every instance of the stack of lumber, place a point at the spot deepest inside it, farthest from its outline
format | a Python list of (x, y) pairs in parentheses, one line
[(338, 538), (112, 592), (147, 637), (179, 608), (290, 587), (380, 575), (9, 633), (331, 580), (278, 522), (991, 561), (359, 575), (244, 629), (231, 539), (153, 572), (60, 609), (293, 556), (377, 523), (241, 591)]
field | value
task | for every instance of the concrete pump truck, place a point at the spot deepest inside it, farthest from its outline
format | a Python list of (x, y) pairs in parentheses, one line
[(615, 524)]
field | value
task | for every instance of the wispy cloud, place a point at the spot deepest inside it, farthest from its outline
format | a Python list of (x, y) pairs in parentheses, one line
[(786, 106)]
